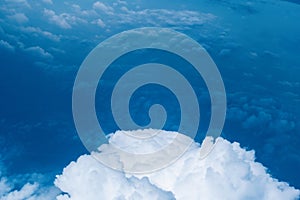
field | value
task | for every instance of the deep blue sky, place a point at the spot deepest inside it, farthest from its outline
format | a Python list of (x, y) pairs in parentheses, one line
[(255, 44)]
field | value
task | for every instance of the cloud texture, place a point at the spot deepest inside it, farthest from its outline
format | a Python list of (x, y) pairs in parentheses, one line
[(29, 191), (229, 172)]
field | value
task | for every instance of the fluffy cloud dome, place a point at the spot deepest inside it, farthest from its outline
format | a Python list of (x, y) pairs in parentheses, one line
[(228, 172)]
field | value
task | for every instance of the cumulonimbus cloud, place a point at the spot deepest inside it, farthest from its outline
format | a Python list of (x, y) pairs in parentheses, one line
[(228, 172)]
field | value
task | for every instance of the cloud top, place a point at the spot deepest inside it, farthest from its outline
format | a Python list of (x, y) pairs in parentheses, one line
[(228, 172)]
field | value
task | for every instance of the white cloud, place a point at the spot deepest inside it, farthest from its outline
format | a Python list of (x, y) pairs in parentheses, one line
[(63, 20), (40, 32), (120, 14), (99, 22), (6, 45), (162, 17), (228, 172), (40, 52), (4, 187), (59, 20), (57, 50), (90, 180), (102, 7), (29, 191), (19, 17), (81, 12), (76, 8), (25, 192)]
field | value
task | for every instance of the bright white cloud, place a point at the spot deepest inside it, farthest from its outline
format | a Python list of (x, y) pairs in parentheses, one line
[(229, 172), (93, 181)]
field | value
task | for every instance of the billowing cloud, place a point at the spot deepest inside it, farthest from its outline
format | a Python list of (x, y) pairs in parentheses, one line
[(93, 181), (228, 172)]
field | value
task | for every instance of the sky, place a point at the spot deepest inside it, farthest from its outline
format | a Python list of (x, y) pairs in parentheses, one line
[(254, 43)]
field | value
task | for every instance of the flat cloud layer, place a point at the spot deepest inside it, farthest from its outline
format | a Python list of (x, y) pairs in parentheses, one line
[(228, 172)]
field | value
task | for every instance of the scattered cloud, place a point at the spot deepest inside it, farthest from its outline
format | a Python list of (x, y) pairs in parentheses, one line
[(77, 8), (58, 20), (25, 192), (39, 52), (19, 17), (119, 13), (259, 114), (29, 191), (6, 45), (104, 8), (119, 2), (104, 14), (56, 50), (39, 32), (289, 84), (86, 13), (64, 20), (99, 22), (259, 120), (228, 169), (12, 188), (159, 17)]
